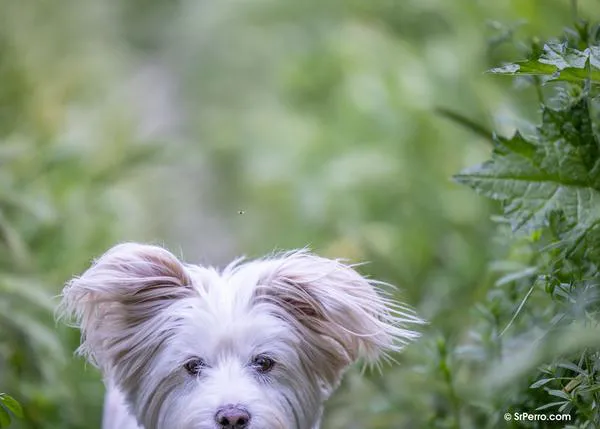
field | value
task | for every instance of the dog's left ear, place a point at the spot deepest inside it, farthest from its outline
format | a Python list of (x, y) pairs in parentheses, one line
[(342, 315)]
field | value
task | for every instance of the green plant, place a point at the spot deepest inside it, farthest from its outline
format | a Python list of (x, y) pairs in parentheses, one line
[(547, 178)]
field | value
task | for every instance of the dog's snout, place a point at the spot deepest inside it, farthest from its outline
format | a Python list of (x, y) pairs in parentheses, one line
[(232, 417)]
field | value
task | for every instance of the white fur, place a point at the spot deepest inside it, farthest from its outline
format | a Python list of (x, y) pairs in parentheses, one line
[(143, 314)]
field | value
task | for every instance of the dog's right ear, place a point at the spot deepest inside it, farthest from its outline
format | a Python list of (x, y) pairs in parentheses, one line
[(116, 303)]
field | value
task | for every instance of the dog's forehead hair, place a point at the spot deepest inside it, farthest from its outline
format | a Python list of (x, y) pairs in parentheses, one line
[(228, 293), (225, 318)]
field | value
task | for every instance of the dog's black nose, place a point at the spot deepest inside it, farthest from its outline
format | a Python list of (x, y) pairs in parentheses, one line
[(232, 417)]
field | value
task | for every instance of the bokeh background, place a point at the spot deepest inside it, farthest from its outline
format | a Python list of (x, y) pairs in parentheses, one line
[(240, 127)]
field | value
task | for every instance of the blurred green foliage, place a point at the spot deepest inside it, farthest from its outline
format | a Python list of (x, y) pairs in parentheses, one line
[(9, 408), (63, 144), (294, 123)]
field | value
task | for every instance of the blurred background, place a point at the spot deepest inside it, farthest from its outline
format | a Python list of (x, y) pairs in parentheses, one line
[(240, 127)]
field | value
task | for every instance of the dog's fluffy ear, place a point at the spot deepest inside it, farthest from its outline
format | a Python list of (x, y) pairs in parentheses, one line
[(116, 301), (343, 315)]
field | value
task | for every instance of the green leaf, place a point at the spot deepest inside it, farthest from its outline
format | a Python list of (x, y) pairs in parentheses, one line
[(533, 67), (12, 405), (550, 405), (541, 382), (560, 62), (556, 170), (565, 408), (559, 394), (590, 389), (561, 56), (571, 366), (4, 418), (517, 275)]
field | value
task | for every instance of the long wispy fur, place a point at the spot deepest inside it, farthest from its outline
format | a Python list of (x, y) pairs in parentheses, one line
[(144, 314)]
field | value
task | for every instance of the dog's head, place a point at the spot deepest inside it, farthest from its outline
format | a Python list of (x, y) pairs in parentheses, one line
[(259, 345)]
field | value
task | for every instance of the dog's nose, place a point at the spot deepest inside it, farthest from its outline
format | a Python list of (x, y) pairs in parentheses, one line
[(232, 417)]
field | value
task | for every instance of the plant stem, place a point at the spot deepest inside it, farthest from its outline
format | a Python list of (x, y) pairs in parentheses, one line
[(574, 10), (467, 123), (454, 400)]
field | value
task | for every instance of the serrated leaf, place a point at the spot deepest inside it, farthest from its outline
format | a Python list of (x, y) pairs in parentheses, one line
[(558, 170), (561, 56), (572, 74), (12, 405), (525, 67), (560, 62)]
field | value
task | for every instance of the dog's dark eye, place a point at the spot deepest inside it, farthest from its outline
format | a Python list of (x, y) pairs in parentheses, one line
[(195, 366), (263, 363)]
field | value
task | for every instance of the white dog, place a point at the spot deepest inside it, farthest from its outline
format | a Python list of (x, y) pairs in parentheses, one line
[(258, 345)]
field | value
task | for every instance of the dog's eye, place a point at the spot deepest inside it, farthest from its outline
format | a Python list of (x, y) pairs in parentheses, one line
[(263, 363), (195, 366)]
